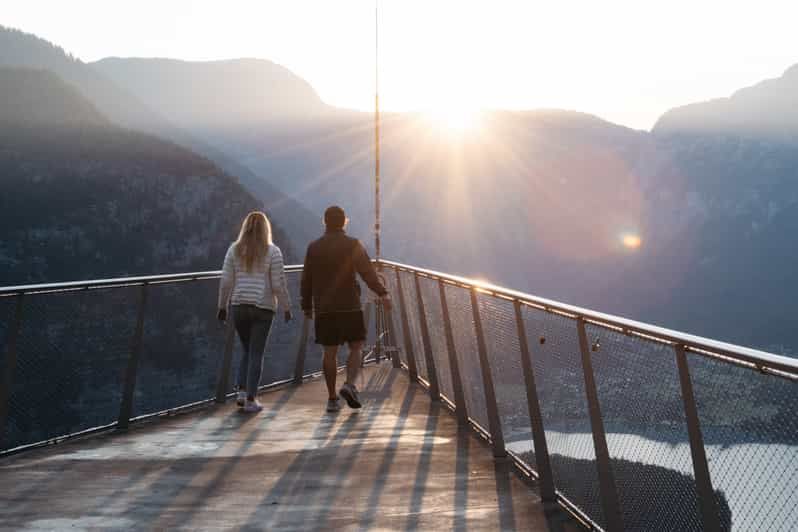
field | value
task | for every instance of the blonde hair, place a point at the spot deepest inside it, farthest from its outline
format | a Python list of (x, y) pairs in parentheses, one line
[(254, 239)]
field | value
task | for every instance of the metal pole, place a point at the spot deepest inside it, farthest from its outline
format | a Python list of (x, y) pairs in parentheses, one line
[(411, 355), (126, 405), (299, 369), (710, 516), (545, 476), (487, 382), (377, 213), (10, 366), (223, 382), (457, 384), (609, 496), (432, 372)]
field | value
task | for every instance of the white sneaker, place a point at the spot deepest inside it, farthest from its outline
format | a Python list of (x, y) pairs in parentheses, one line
[(242, 398), (333, 406), (253, 406)]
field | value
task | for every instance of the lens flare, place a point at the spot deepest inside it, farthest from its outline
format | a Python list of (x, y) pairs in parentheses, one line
[(631, 241)]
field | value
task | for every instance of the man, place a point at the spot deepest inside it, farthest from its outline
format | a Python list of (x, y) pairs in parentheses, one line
[(331, 291)]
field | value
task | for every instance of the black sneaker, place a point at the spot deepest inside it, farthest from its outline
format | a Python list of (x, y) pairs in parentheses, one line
[(349, 393)]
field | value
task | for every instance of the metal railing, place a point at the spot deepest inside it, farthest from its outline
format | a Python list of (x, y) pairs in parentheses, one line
[(627, 425), (95, 355)]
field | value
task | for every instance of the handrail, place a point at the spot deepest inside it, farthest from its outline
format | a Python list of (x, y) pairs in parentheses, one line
[(760, 359), (47, 288), (700, 345)]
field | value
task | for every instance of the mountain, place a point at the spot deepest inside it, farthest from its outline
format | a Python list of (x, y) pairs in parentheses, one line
[(768, 109), (82, 198), (215, 94), (19, 49), (541, 200)]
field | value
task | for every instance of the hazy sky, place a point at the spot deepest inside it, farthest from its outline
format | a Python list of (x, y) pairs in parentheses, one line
[(624, 60)]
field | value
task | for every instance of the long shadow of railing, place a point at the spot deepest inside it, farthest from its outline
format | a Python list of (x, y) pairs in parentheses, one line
[(329, 455)]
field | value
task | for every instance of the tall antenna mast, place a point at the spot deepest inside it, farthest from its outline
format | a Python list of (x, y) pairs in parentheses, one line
[(377, 213)]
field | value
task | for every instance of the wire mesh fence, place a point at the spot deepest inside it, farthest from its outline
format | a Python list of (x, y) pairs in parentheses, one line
[(561, 387), (393, 318), (72, 351), (750, 430), (414, 322), (465, 343), (182, 347), (643, 414), (747, 417), (434, 311), (504, 355)]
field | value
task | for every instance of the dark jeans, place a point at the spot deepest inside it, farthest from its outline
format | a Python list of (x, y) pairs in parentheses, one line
[(253, 325)]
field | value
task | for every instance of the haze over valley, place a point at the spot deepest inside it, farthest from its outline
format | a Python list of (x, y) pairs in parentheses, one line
[(675, 226)]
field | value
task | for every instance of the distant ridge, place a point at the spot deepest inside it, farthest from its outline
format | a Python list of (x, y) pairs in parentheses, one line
[(767, 109), (215, 93)]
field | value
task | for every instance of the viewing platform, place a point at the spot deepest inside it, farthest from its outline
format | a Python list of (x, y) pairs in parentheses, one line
[(484, 409), (399, 463)]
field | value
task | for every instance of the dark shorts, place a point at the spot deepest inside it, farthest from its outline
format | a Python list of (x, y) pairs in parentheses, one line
[(337, 328)]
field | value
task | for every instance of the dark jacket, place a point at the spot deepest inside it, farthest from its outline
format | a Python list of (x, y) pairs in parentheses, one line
[(328, 278)]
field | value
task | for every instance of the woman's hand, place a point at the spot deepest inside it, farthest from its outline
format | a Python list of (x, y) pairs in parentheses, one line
[(222, 315), (288, 316)]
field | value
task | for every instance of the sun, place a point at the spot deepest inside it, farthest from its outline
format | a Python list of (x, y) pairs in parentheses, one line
[(454, 119)]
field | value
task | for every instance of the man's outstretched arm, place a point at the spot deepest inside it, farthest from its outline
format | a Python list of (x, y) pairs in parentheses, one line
[(365, 268)]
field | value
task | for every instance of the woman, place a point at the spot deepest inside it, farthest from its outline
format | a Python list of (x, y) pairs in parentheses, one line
[(253, 282)]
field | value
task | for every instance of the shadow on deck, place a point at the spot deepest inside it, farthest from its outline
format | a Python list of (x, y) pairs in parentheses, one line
[(400, 463)]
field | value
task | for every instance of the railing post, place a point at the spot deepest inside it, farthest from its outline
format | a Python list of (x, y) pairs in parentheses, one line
[(496, 435), (10, 366), (545, 476), (126, 405), (710, 516), (223, 382), (299, 368), (366, 321), (393, 341), (411, 355), (461, 410), (608, 493), (434, 390)]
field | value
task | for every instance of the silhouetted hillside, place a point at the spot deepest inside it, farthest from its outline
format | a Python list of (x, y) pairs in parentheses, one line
[(80, 198), (31, 97), (18, 49)]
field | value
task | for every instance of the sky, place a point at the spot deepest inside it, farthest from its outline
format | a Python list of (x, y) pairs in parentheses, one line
[(627, 61)]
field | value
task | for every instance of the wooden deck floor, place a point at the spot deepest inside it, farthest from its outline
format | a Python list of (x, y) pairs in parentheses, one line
[(398, 464)]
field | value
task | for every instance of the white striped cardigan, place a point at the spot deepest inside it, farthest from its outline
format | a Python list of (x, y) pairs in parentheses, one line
[(265, 286)]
